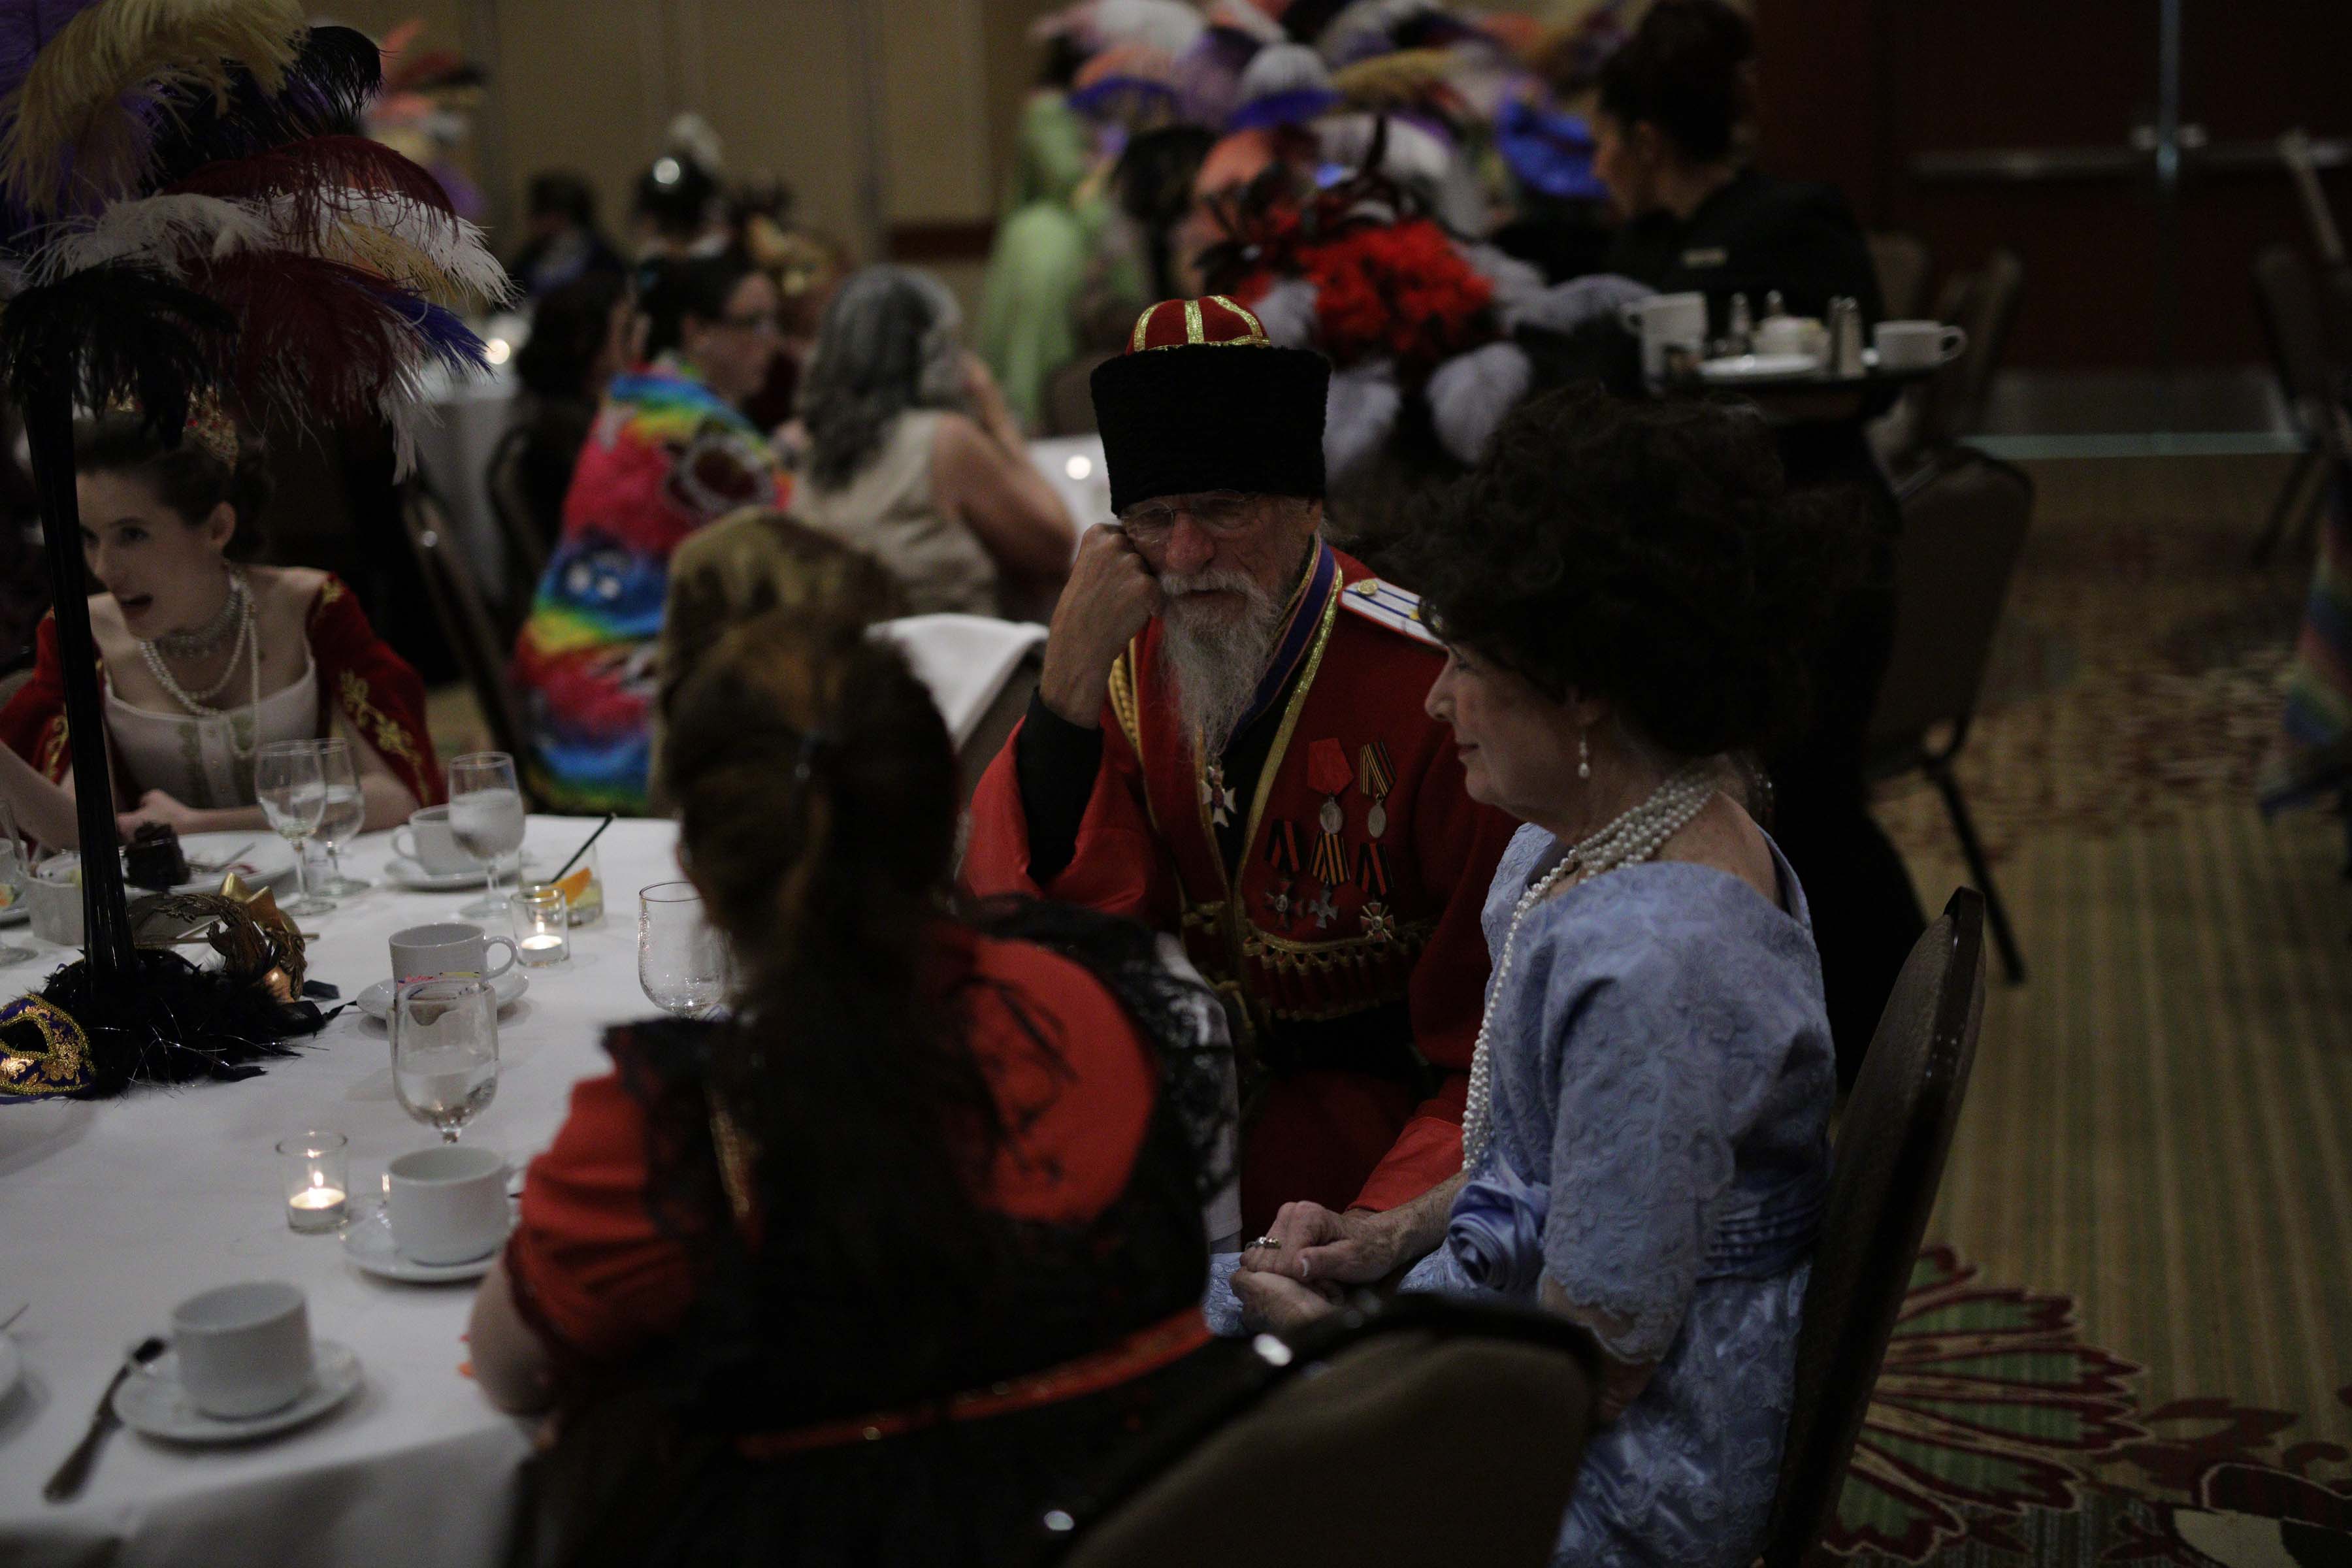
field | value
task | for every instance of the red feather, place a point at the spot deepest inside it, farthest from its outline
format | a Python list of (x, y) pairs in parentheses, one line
[(315, 339), (318, 174)]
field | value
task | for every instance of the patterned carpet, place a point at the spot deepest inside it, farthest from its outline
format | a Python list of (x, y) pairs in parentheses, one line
[(2132, 1340)]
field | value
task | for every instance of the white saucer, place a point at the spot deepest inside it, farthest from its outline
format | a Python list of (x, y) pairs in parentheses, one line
[(16, 913), (367, 1242), (265, 861), (1758, 367), (402, 872), (152, 1402), (377, 1000), (11, 1366)]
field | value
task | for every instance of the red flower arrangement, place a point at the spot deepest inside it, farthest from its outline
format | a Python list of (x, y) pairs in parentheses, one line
[(1400, 291)]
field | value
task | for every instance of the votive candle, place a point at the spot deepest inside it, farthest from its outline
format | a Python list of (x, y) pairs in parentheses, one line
[(543, 925), (317, 1167)]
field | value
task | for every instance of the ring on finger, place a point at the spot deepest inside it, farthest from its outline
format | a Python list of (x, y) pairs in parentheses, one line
[(1267, 1241)]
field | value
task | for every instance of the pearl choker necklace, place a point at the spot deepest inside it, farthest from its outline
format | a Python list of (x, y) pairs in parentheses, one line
[(247, 650), (1631, 838), (210, 636)]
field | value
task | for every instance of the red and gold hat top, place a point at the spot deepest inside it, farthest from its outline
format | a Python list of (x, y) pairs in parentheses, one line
[(1215, 322)]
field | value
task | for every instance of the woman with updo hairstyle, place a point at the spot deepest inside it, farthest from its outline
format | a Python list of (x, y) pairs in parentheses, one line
[(871, 1270), (1626, 594), (670, 452), (204, 656)]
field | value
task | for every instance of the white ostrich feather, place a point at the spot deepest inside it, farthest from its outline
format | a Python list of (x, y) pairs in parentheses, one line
[(165, 232), (1364, 28), (1564, 307), (1514, 281), (1168, 25), (1469, 394), (1283, 68), (1286, 312), (443, 257), (1358, 415), (1243, 18)]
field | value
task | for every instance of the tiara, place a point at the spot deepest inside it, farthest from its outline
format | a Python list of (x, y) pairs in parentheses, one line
[(209, 424)]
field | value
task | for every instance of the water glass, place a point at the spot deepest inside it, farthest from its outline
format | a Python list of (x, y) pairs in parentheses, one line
[(293, 794), (682, 961), (543, 925), (346, 815), (444, 1051), (15, 871), (485, 818), (317, 1180)]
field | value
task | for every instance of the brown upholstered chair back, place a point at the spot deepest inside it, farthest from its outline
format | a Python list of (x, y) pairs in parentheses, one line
[(1901, 262), (1418, 1446), (1964, 525), (2286, 301), (521, 532), (465, 616), (1890, 1157), (997, 725), (1984, 303)]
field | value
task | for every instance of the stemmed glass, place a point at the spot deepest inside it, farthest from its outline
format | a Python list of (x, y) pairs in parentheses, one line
[(16, 870), (486, 819), (682, 961), (293, 795), (444, 1051), (346, 814)]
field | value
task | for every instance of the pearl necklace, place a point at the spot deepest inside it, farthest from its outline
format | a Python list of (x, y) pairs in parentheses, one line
[(208, 637), (1631, 838), (248, 643)]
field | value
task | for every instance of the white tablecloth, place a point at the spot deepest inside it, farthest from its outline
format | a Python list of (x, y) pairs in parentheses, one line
[(112, 1212), (454, 449)]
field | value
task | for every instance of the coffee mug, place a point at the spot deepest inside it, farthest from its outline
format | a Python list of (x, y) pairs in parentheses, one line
[(1665, 322), (244, 1350), (448, 1205), (1916, 345), (446, 947), (431, 844), (1793, 335)]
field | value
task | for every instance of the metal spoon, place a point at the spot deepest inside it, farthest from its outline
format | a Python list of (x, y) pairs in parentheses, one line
[(75, 1472)]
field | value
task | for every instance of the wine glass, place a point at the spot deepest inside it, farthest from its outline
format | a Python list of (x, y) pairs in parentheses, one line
[(682, 961), (346, 814), (294, 797), (15, 872), (444, 1051), (486, 819)]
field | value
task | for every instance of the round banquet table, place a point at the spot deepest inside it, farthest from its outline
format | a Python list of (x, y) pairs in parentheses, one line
[(112, 1211)]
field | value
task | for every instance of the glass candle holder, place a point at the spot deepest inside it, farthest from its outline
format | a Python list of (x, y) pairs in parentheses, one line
[(318, 1186), (543, 925)]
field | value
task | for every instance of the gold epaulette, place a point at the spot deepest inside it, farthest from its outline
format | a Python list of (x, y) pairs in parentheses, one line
[(1385, 604)]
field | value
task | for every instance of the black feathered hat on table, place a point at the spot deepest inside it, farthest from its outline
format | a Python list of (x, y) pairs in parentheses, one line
[(1203, 400), (184, 219)]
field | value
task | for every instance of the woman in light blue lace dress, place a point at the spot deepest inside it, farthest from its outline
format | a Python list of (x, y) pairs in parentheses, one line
[(1627, 594)]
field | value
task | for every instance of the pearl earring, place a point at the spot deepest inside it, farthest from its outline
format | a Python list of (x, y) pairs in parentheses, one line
[(1583, 757)]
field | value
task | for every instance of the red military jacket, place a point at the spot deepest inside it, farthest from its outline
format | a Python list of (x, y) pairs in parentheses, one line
[(1323, 924)]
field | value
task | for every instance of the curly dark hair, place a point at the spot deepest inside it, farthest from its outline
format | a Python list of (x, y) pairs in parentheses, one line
[(185, 475), (1647, 552), (1687, 71)]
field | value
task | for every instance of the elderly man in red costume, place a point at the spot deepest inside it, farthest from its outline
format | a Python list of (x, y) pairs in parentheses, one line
[(1228, 742)]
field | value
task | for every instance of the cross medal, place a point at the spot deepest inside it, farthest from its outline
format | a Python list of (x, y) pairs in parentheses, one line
[(1214, 795)]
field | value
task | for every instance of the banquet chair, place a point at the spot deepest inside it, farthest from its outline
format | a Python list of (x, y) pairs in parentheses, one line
[(1901, 261), (522, 533), (1964, 524), (996, 724), (2286, 301), (1391, 1417), (1984, 304), (1890, 1157), (464, 615)]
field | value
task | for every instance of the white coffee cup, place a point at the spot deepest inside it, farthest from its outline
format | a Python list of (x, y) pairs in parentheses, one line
[(244, 1350), (431, 844), (1793, 335), (448, 1205), (446, 947), (1665, 322), (1916, 345)]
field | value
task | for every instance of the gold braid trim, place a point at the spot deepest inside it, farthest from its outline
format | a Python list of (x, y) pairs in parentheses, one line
[(1281, 955), (382, 732), (1122, 701), (49, 753)]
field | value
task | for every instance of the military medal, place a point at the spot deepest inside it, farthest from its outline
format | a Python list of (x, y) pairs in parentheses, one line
[(1282, 853), (1328, 775), (1376, 776), (1379, 925), (1215, 798)]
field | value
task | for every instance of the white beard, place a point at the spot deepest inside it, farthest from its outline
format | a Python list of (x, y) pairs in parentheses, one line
[(1216, 662)]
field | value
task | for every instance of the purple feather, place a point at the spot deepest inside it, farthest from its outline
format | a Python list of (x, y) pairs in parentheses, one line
[(25, 28), (444, 334)]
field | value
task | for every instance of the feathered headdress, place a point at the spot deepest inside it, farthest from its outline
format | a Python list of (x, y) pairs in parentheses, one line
[(185, 217)]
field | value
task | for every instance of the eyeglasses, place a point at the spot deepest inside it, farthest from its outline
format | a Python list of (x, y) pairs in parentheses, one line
[(1221, 514)]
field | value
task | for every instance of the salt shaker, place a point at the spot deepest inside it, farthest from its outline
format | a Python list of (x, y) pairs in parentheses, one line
[(1774, 305), (1739, 336), (1845, 337)]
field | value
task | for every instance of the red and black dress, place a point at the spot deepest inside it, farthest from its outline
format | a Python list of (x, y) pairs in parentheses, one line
[(773, 1418)]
